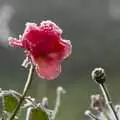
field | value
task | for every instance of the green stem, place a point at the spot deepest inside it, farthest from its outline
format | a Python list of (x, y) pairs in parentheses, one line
[(108, 101), (27, 85)]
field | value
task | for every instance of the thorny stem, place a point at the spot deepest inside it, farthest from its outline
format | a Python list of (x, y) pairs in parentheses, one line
[(27, 85), (108, 100)]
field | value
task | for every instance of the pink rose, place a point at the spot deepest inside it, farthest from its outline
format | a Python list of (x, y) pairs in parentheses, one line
[(45, 47)]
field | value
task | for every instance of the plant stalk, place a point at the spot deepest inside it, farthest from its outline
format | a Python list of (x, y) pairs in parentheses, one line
[(108, 101), (27, 85)]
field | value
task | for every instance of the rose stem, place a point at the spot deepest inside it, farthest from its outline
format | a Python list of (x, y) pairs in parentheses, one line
[(108, 100), (27, 85)]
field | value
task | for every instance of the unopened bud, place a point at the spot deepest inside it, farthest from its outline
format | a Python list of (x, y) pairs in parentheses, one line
[(98, 75)]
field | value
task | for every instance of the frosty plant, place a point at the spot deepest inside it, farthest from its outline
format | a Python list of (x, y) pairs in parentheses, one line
[(45, 49), (101, 105)]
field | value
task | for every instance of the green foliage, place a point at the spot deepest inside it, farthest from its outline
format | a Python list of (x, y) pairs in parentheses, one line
[(30, 109), (9, 102), (37, 114)]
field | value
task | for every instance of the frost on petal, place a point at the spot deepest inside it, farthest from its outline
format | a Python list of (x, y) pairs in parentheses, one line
[(48, 71), (49, 26), (15, 42), (29, 26), (67, 48)]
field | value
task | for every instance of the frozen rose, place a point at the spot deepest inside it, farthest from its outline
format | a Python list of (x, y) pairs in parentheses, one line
[(45, 47)]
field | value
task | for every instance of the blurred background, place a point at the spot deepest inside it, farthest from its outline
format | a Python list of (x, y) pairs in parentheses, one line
[(93, 26)]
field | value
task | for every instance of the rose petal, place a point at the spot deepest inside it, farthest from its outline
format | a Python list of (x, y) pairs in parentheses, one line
[(68, 48), (50, 26), (29, 26), (48, 70), (15, 42)]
